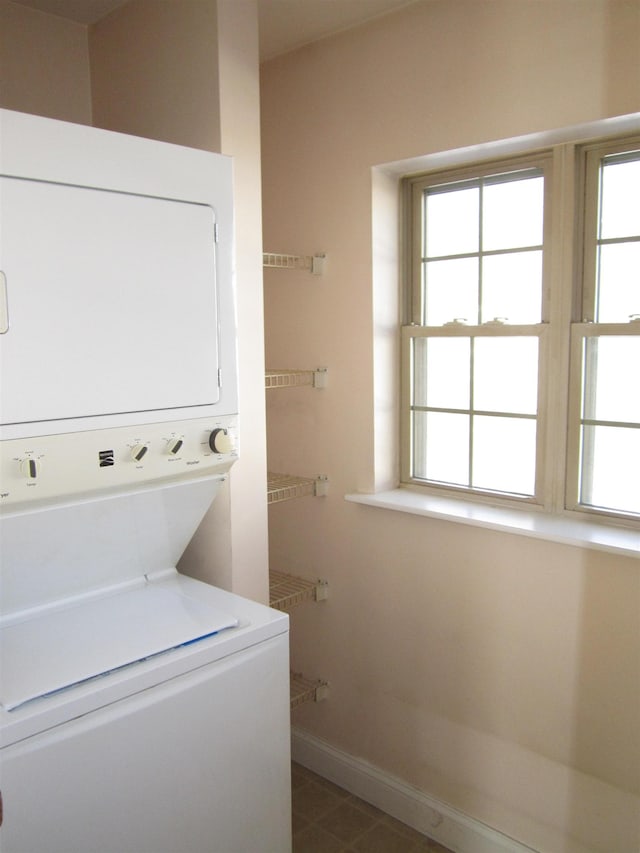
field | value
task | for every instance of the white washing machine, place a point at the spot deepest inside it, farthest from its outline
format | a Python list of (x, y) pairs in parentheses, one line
[(141, 711)]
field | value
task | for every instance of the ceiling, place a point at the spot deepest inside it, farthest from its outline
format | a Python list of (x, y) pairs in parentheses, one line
[(287, 24), (284, 24)]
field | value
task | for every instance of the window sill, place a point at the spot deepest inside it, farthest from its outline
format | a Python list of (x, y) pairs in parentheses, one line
[(567, 531)]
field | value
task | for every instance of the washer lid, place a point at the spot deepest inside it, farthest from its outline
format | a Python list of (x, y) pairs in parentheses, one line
[(63, 647)]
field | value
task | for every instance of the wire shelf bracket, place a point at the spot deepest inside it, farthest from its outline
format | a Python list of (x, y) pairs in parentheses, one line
[(305, 690)]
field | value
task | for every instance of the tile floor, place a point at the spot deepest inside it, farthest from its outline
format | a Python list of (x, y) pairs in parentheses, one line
[(328, 819)]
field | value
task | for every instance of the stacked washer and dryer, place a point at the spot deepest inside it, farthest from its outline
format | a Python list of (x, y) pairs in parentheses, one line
[(141, 711)]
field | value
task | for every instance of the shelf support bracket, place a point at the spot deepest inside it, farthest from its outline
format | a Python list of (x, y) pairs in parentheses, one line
[(321, 486)]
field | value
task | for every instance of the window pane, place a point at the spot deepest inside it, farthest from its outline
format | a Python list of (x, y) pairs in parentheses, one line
[(506, 375), (451, 289), (512, 287), (612, 390), (513, 214), (452, 222), (441, 447), (619, 282), (620, 206), (611, 468), (504, 454), (441, 372)]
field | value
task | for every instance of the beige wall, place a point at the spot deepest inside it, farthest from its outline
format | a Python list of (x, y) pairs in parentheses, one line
[(44, 64), (496, 673), (154, 71)]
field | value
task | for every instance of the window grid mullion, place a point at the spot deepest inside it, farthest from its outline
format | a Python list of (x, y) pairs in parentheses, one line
[(472, 342), (613, 241), (588, 407), (604, 422), (471, 405), (485, 413), (480, 251), (595, 308)]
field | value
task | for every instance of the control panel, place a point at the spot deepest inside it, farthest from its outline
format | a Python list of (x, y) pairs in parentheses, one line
[(51, 467)]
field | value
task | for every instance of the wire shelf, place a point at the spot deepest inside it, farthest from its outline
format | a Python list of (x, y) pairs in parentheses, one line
[(287, 591), (284, 487), (305, 690), (278, 260), (289, 378)]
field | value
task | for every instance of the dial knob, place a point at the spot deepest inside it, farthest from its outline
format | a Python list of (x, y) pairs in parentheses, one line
[(220, 441), (30, 468), (138, 452), (174, 445)]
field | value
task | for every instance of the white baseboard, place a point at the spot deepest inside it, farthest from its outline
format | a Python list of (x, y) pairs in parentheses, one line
[(436, 819)]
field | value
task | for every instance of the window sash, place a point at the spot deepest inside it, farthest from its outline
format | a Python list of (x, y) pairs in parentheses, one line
[(577, 455), (541, 332), (593, 158), (489, 173)]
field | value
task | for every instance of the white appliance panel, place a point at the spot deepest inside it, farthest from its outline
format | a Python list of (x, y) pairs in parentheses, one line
[(72, 643), (111, 302), (256, 624), (55, 553), (216, 740), (73, 465)]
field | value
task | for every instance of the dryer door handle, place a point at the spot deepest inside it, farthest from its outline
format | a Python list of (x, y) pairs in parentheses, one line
[(4, 304)]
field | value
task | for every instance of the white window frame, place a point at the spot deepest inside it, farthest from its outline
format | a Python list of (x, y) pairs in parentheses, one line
[(585, 323), (561, 331)]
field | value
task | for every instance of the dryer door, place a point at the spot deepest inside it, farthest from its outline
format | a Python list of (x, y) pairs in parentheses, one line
[(111, 302)]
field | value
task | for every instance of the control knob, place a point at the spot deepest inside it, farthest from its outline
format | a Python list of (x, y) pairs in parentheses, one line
[(30, 467), (138, 451), (174, 445), (220, 441)]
